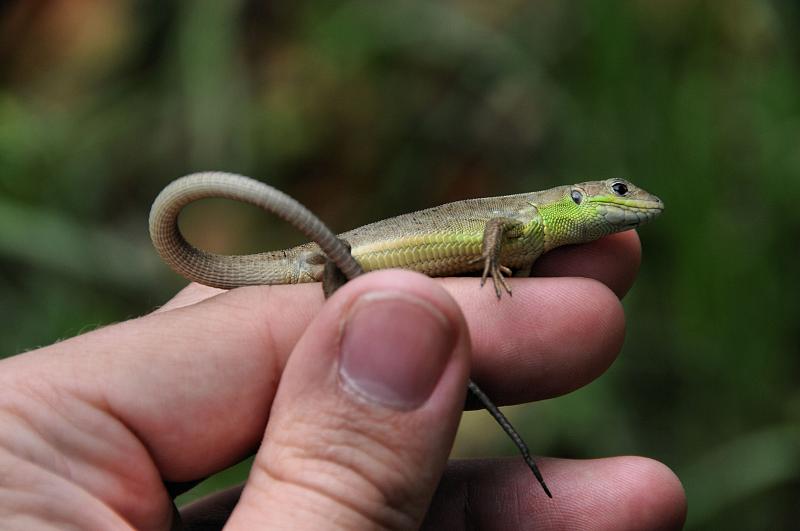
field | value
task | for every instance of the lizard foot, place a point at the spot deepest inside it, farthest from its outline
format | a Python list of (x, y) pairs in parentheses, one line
[(497, 271), (332, 277)]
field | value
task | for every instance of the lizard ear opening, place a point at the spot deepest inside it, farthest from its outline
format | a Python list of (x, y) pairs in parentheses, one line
[(577, 197)]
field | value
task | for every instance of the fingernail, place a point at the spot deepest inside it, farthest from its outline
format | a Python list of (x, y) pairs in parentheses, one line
[(394, 349)]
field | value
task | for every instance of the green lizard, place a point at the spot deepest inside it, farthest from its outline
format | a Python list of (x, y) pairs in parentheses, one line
[(497, 236)]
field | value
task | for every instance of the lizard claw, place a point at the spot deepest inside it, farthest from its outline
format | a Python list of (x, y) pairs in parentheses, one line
[(499, 279), (497, 271)]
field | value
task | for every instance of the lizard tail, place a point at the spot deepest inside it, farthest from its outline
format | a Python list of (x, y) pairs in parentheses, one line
[(220, 271)]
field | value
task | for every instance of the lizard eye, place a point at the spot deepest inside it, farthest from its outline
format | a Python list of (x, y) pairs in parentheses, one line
[(620, 188), (577, 197)]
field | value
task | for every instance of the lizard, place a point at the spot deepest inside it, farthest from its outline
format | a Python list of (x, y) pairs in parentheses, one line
[(493, 236)]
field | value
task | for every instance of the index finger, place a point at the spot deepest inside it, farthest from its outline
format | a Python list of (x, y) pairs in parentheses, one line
[(199, 379), (552, 336)]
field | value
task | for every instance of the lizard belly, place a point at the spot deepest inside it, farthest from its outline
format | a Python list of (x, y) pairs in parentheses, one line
[(442, 256), (429, 254)]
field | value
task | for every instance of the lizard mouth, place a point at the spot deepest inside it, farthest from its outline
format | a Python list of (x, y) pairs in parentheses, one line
[(632, 214)]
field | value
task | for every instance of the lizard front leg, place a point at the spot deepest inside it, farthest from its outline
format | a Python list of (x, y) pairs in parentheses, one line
[(494, 232)]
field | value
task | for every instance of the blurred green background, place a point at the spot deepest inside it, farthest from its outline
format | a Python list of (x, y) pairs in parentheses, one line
[(364, 109)]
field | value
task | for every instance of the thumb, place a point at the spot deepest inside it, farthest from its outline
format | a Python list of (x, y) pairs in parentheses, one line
[(365, 412)]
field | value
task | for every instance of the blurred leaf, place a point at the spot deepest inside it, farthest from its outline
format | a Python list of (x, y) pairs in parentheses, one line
[(724, 479), (48, 240)]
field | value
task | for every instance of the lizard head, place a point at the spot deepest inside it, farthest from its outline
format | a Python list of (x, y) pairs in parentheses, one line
[(587, 211)]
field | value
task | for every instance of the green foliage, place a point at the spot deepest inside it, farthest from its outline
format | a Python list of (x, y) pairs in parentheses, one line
[(365, 109)]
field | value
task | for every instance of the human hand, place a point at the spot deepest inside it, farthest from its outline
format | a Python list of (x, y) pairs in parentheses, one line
[(355, 425)]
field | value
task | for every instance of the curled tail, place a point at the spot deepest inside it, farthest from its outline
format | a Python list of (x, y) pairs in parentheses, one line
[(300, 264)]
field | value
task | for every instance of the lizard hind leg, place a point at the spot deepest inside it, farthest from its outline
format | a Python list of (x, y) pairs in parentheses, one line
[(516, 438), (332, 277)]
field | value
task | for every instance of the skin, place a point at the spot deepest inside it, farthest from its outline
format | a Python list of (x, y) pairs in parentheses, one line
[(91, 426)]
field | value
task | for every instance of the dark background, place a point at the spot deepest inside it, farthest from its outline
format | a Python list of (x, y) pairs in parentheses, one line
[(364, 109)]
